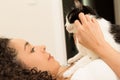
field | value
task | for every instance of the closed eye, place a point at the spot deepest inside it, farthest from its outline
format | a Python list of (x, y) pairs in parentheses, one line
[(32, 50)]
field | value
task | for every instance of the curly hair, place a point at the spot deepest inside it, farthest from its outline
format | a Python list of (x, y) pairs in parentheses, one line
[(10, 69)]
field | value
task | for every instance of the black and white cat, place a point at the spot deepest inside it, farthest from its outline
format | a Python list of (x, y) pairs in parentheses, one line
[(84, 56)]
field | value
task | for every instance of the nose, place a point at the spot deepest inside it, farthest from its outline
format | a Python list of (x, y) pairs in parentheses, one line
[(42, 47)]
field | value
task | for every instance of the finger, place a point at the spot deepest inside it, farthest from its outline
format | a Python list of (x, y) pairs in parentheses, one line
[(88, 18), (78, 25), (82, 18), (94, 20)]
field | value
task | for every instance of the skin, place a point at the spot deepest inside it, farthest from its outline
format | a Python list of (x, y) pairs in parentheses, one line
[(90, 35), (35, 56)]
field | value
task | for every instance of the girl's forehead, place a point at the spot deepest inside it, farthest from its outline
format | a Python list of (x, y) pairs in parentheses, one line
[(17, 42), (19, 45)]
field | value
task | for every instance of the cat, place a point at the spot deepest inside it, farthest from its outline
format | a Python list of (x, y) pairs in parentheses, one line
[(84, 56)]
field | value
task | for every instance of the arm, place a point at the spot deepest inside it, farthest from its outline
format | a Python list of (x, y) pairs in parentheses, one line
[(90, 35)]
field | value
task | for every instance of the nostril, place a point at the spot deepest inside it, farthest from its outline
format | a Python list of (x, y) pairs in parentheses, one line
[(43, 47)]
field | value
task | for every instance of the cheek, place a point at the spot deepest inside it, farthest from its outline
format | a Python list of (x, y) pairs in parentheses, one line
[(40, 62), (33, 60), (39, 59)]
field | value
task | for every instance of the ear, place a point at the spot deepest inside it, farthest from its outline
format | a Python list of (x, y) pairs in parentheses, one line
[(78, 4)]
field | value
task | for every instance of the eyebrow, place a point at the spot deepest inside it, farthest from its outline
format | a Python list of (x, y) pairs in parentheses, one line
[(26, 44)]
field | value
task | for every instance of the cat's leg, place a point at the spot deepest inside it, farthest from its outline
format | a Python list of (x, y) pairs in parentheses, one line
[(81, 51), (79, 55), (75, 58), (79, 64)]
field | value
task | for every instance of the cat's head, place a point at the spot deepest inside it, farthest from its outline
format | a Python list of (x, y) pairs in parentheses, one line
[(73, 14)]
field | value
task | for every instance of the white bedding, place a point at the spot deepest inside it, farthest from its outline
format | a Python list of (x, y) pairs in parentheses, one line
[(96, 70)]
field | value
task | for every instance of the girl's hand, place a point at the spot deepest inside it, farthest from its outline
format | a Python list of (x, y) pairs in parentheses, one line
[(88, 32)]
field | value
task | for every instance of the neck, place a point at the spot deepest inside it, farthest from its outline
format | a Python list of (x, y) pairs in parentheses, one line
[(61, 70)]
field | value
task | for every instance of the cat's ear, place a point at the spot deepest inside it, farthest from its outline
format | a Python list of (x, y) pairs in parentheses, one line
[(78, 4)]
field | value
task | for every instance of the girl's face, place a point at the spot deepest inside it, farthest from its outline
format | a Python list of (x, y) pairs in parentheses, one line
[(35, 56)]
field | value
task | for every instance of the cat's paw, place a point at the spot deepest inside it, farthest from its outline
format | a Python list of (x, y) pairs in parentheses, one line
[(71, 60), (67, 74)]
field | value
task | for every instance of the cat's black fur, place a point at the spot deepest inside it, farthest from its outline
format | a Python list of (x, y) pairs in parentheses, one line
[(73, 15), (115, 30)]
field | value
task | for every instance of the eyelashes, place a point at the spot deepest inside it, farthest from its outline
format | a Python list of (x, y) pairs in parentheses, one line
[(32, 50)]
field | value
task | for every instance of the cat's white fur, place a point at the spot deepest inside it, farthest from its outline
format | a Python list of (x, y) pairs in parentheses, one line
[(85, 56)]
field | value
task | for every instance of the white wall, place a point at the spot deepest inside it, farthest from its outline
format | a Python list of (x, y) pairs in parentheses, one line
[(38, 21), (117, 11)]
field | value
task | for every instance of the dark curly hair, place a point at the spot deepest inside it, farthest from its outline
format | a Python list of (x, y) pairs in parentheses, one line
[(10, 69)]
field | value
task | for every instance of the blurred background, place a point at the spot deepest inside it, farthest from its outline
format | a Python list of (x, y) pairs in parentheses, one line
[(37, 21)]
